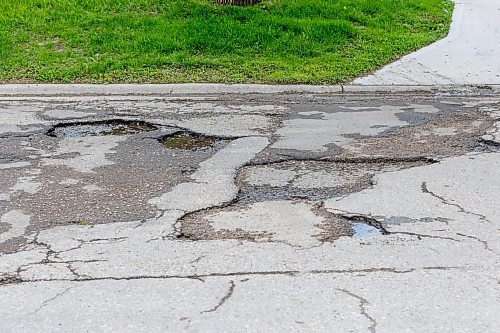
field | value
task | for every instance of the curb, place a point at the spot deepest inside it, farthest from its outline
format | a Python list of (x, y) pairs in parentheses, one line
[(20, 90)]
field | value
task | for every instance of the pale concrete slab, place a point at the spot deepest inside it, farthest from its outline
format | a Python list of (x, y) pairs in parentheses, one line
[(454, 189), (273, 303), (293, 223)]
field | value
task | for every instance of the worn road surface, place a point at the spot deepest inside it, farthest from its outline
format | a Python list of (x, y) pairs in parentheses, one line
[(470, 54), (289, 212)]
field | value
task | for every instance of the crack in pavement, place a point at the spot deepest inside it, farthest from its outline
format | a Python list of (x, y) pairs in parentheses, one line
[(142, 222), (367, 270), (9, 279), (419, 236), (223, 299), (52, 257), (197, 259), (362, 307), (46, 302), (93, 240), (346, 160), (485, 243), (82, 242), (8, 136), (492, 143), (446, 202)]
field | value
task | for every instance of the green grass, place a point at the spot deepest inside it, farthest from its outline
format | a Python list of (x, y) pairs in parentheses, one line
[(278, 41)]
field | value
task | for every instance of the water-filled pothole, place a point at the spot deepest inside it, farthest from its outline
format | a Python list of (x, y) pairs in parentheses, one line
[(100, 128), (362, 230), (193, 142)]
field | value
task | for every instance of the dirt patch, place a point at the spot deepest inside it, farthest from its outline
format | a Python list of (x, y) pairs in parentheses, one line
[(333, 226), (446, 135), (299, 223), (195, 226)]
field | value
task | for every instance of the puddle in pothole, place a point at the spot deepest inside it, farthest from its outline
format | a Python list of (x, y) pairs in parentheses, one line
[(113, 127), (193, 142), (362, 230)]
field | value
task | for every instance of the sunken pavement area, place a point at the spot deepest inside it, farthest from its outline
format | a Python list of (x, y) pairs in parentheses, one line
[(226, 212)]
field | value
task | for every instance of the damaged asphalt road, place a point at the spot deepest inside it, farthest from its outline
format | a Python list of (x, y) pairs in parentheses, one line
[(274, 212)]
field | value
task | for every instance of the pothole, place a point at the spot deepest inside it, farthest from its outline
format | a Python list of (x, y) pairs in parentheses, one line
[(300, 223), (297, 223), (314, 180), (282, 202), (362, 230), (100, 128), (193, 142)]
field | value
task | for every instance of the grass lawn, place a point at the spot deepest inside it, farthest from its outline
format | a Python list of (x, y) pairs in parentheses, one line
[(277, 41)]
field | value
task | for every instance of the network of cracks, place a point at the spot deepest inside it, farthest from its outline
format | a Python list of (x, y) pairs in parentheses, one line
[(293, 182), (282, 183)]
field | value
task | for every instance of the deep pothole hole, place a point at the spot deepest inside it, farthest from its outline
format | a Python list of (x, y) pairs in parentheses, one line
[(363, 227), (233, 222), (193, 142), (100, 128)]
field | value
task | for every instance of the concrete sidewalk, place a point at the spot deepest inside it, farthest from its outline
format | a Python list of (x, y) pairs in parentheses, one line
[(470, 54)]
